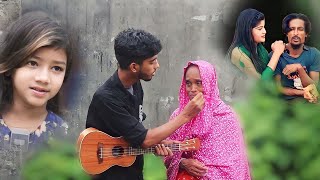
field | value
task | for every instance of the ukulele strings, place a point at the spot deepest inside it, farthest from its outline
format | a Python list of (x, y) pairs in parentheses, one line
[(131, 151)]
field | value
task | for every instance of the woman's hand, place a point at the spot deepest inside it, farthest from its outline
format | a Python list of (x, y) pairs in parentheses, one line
[(194, 167), (278, 46)]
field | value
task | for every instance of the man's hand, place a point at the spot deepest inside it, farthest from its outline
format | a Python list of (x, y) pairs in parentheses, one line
[(194, 106), (162, 150), (311, 93), (290, 68), (194, 167)]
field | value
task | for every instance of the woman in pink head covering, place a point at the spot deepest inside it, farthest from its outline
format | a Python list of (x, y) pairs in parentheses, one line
[(222, 153)]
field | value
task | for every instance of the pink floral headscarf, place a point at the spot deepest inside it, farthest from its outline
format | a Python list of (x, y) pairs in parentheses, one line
[(217, 126)]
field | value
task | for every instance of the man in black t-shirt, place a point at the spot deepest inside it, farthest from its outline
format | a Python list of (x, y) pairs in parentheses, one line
[(116, 107)]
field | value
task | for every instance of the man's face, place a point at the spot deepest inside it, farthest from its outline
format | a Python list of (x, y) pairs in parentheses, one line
[(148, 68), (297, 34)]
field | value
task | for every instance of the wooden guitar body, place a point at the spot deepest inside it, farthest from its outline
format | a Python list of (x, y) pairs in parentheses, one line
[(94, 159), (98, 151)]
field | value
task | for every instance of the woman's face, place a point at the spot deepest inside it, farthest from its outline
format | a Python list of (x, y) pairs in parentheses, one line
[(259, 32), (193, 81)]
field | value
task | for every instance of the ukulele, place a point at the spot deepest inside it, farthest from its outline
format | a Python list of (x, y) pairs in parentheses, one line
[(98, 151)]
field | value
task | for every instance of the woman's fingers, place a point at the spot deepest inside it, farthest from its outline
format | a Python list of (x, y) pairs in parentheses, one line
[(194, 167)]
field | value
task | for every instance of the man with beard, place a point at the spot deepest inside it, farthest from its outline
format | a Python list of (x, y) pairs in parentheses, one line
[(299, 65), (116, 107)]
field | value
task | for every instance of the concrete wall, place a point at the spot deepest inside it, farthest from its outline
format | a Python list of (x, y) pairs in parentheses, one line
[(188, 30), (9, 11)]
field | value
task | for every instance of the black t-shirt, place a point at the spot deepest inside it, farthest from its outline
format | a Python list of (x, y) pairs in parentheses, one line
[(115, 111)]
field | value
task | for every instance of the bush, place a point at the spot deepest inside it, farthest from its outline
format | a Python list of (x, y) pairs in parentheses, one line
[(58, 161), (282, 138), (154, 168)]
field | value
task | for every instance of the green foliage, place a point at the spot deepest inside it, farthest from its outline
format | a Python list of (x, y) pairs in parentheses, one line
[(282, 137), (154, 168), (58, 161)]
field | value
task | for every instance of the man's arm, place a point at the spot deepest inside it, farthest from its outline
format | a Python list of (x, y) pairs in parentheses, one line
[(104, 112), (157, 134), (305, 78), (314, 76), (287, 91), (315, 67)]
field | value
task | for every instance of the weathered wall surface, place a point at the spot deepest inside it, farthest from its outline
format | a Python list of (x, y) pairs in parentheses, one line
[(188, 30), (9, 11)]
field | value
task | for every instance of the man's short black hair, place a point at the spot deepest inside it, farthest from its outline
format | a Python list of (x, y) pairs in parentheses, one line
[(289, 17), (135, 45)]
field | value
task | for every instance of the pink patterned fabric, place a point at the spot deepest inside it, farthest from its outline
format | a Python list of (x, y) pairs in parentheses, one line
[(217, 126)]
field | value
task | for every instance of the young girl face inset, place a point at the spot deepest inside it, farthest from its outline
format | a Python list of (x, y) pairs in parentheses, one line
[(259, 32), (193, 81), (40, 78)]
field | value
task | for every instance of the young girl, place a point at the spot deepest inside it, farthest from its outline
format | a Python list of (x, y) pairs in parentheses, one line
[(247, 52), (34, 63)]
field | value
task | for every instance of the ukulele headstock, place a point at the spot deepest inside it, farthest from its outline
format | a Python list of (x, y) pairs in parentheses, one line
[(190, 145)]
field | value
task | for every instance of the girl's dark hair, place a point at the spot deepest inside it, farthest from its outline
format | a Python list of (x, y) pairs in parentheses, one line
[(247, 20), (26, 35)]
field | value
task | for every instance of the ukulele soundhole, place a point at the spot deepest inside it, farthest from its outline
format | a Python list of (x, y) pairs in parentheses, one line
[(100, 153), (117, 151)]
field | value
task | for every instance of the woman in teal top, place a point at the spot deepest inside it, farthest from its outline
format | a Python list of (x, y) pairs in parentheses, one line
[(247, 52)]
